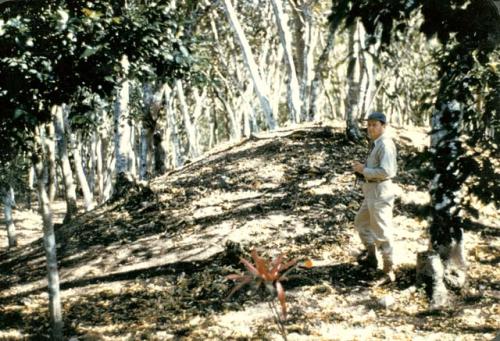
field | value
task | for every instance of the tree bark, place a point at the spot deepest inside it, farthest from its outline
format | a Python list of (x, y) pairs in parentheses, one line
[(51, 156), (352, 99), (99, 171), (193, 149), (75, 145), (172, 141), (238, 80), (212, 124), (123, 147), (148, 126), (63, 159), (446, 234), (318, 74), (7, 194), (49, 241), (109, 163), (235, 127), (293, 91), (31, 184), (260, 87), (307, 59)]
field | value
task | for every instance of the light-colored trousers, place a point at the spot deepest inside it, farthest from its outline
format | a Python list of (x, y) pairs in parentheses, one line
[(374, 218)]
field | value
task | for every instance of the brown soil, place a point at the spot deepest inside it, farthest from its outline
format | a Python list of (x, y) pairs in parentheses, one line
[(153, 263)]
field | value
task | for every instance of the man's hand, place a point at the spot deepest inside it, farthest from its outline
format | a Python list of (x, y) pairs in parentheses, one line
[(358, 167)]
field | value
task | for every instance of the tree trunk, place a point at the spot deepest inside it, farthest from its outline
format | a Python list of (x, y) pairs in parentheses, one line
[(212, 125), (123, 147), (307, 58), (271, 60), (199, 105), (99, 171), (31, 184), (123, 128), (172, 141), (352, 99), (318, 74), (75, 145), (235, 127), (447, 251), (50, 147), (90, 164), (300, 44), (193, 149), (109, 162), (148, 126), (145, 155), (260, 87), (245, 89), (49, 241), (7, 194), (63, 159)]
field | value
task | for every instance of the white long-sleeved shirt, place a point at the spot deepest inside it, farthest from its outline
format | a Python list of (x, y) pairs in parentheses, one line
[(381, 163)]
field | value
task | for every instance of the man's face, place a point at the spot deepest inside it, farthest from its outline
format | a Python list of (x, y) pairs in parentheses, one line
[(375, 129)]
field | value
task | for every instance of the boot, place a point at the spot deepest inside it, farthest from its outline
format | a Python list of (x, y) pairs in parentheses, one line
[(389, 267), (368, 259)]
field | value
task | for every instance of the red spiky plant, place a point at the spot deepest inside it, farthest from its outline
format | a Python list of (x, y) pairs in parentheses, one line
[(269, 273)]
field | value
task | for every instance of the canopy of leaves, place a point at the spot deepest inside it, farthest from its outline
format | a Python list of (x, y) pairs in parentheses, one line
[(54, 53)]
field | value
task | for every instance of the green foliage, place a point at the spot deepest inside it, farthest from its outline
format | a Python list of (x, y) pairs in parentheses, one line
[(66, 52)]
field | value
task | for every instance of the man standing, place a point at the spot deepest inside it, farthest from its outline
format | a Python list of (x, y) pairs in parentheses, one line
[(374, 219)]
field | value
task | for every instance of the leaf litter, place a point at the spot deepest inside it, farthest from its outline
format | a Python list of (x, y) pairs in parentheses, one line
[(153, 263)]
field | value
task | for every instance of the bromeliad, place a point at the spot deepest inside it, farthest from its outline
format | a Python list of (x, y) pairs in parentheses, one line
[(270, 273)]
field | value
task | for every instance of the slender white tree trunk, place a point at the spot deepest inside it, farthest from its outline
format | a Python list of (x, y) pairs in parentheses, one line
[(238, 80), (172, 139), (75, 145), (110, 162), (271, 61), (260, 87), (235, 127), (193, 149), (49, 241), (364, 74), (31, 184), (90, 167), (352, 99), (199, 104), (8, 204), (123, 147), (99, 171), (310, 37), (107, 151), (318, 75), (50, 147), (88, 197), (293, 90), (211, 127), (67, 173), (134, 151)]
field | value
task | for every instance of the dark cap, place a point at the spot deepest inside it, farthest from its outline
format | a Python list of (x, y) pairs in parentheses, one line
[(377, 116)]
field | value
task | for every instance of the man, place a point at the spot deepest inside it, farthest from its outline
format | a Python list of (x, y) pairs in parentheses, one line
[(374, 218)]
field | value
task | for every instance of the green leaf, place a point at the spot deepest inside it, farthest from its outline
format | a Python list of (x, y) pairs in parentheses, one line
[(18, 113), (89, 51)]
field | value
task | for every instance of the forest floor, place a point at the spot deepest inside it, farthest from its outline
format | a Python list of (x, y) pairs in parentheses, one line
[(152, 263)]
